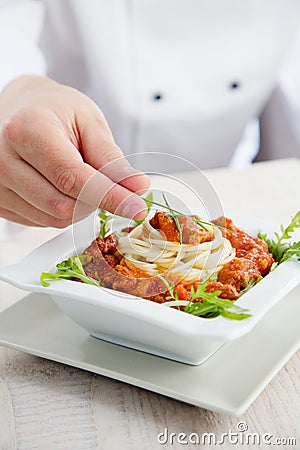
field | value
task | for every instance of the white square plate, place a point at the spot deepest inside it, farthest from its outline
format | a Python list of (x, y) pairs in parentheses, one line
[(142, 324), (228, 382)]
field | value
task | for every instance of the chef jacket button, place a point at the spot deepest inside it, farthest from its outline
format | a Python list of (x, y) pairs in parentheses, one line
[(157, 97), (234, 85)]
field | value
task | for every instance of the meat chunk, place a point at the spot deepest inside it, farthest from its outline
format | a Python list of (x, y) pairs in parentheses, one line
[(163, 222), (192, 233), (99, 269), (104, 246), (227, 290), (246, 246), (104, 264), (108, 244), (141, 286), (261, 256), (102, 259), (224, 222), (238, 273)]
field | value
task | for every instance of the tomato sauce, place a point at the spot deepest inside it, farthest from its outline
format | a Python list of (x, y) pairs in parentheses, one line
[(252, 261)]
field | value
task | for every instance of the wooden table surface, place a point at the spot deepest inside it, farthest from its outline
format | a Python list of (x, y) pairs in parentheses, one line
[(46, 405)]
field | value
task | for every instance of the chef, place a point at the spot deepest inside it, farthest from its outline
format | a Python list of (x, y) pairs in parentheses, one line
[(83, 83)]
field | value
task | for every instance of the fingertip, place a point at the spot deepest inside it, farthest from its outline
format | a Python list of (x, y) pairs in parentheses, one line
[(135, 210), (138, 182), (140, 215)]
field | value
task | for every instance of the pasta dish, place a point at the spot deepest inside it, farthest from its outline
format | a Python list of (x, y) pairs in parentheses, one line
[(180, 261)]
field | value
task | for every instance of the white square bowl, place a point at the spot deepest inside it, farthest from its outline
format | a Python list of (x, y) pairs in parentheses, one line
[(141, 324)]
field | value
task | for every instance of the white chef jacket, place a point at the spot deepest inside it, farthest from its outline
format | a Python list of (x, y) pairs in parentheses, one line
[(177, 76)]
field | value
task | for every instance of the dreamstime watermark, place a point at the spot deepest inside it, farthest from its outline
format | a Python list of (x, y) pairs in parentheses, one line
[(238, 437)]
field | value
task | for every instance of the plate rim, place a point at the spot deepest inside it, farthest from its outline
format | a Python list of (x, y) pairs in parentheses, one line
[(229, 409)]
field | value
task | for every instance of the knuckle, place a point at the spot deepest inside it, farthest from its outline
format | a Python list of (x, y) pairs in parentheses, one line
[(12, 128), (67, 180), (112, 153), (17, 126), (61, 208), (108, 201), (99, 121)]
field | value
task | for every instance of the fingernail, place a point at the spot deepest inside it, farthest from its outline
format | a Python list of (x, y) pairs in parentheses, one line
[(147, 178), (134, 211), (132, 171)]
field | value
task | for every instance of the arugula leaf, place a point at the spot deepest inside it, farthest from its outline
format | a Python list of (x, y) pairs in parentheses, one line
[(147, 200), (68, 270), (104, 226), (281, 249), (250, 284), (202, 309), (235, 316), (292, 250), (273, 266), (211, 305), (222, 306)]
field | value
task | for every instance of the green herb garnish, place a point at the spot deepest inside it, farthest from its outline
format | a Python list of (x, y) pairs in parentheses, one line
[(249, 284), (147, 200), (104, 225), (281, 249), (292, 250), (68, 270), (175, 214), (211, 304), (173, 295)]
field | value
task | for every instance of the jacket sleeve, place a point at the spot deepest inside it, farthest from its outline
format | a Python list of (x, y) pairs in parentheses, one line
[(20, 26), (280, 120)]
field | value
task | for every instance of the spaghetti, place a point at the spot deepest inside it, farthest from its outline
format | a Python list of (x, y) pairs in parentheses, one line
[(148, 249)]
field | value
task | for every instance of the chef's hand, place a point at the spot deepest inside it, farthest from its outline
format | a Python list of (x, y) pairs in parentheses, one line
[(53, 140)]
